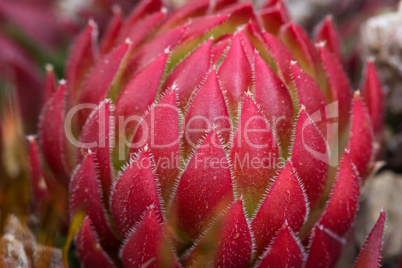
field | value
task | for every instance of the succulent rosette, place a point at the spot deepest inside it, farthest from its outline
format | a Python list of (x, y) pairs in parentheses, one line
[(217, 134)]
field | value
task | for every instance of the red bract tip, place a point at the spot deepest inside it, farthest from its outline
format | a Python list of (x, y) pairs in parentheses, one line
[(207, 110), (181, 15), (146, 246), (38, 181), (139, 31), (281, 56), (327, 33), (310, 157), (160, 130), (285, 251), (144, 8), (200, 26), (298, 42), (275, 101), (235, 74), (247, 45), (89, 250), (370, 254), (190, 72), (204, 189), (338, 84), (254, 154), (96, 135), (101, 78), (324, 248), (50, 86), (228, 240), (156, 46), (240, 14), (51, 135), (138, 94), (220, 47), (342, 206), (361, 137), (221, 4), (112, 33), (310, 95), (274, 16), (135, 189), (285, 200), (234, 246), (374, 97), (83, 56), (85, 195)]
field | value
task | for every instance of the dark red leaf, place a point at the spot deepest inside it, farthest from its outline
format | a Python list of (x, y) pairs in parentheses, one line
[(85, 195), (38, 181), (338, 84), (138, 94), (226, 243), (181, 15), (234, 246), (254, 154), (146, 245), (327, 33), (285, 251), (188, 74), (89, 250), (285, 200), (135, 189), (370, 254), (311, 96), (149, 50), (275, 101), (51, 135), (207, 109), (201, 25), (144, 8), (235, 74), (310, 157), (101, 77), (139, 31), (274, 17), (298, 42), (282, 57), (96, 136), (51, 81), (112, 32), (361, 137), (160, 130), (82, 58), (205, 188), (324, 249), (373, 96), (342, 206)]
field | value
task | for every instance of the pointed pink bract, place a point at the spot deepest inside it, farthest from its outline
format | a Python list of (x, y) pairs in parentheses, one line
[(254, 154), (235, 74), (89, 250), (51, 135), (147, 246), (204, 189), (95, 135), (160, 131), (370, 254), (285, 251), (284, 201), (135, 190), (310, 157)]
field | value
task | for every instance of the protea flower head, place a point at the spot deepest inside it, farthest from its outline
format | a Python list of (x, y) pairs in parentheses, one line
[(214, 134)]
